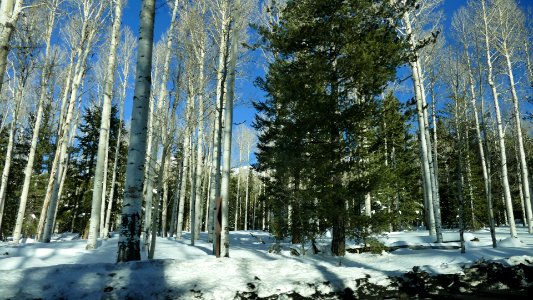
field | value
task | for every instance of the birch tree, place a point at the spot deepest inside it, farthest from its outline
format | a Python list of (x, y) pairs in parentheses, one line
[(130, 230)]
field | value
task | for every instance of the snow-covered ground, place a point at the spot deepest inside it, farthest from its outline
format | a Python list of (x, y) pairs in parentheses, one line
[(64, 269)]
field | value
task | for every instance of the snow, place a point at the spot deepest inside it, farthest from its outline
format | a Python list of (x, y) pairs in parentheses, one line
[(64, 269)]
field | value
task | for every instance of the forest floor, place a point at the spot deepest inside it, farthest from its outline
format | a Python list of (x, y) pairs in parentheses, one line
[(63, 269)]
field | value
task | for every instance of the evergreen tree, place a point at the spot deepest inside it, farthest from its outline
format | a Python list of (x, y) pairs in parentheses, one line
[(334, 57)]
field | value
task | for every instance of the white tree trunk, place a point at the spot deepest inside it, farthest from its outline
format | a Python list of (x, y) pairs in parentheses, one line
[(88, 34), (9, 12), (486, 180), (67, 86), (520, 140), (247, 196), (186, 164), (45, 76), (220, 99), (9, 150), (238, 198), (228, 124), (164, 201), (130, 227), (196, 218), (428, 188), (501, 136), (126, 56), (100, 174)]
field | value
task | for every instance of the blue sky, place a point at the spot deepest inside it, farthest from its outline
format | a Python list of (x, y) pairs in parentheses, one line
[(247, 92), (244, 112)]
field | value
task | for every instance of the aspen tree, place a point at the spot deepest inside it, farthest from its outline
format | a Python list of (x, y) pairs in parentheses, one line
[(45, 76), (428, 167), (160, 133), (461, 27), (509, 19), (9, 13), (18, 98), (126, 54), (23, 63), (485, 19), (101, 160), (228, 124), (130, 227), (91, 13), (186, 153), (223, 51)]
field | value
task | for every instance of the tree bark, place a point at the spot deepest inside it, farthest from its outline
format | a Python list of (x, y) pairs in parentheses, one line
[(426, 169), (130, 227), (228, 124), (45, 76), (9, 12), (88, 34), (220, 94), (197, 216), (501, 136), (97, 209), (186, 164), (520, 140), (9, 150)]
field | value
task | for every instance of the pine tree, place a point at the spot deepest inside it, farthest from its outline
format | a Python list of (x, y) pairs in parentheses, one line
[(335, 56)]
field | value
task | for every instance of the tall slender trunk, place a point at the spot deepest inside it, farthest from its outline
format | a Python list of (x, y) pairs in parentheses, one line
[(104, 187), (186, 164), (520, 140), (72, 134), (208, 188), (499, 123), (130, 227), (469, 178), (433, 176), (9, 12), (197, 216), (164, 201), (159, 134), (90, 14), (238, 200), (222, 74), (159, 199), (53, 170), (480, 141), (460, 180), (247, 197), (426, 168), (10, 145), (100, 174), (228, 124), (45, 76), (175, 204)]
